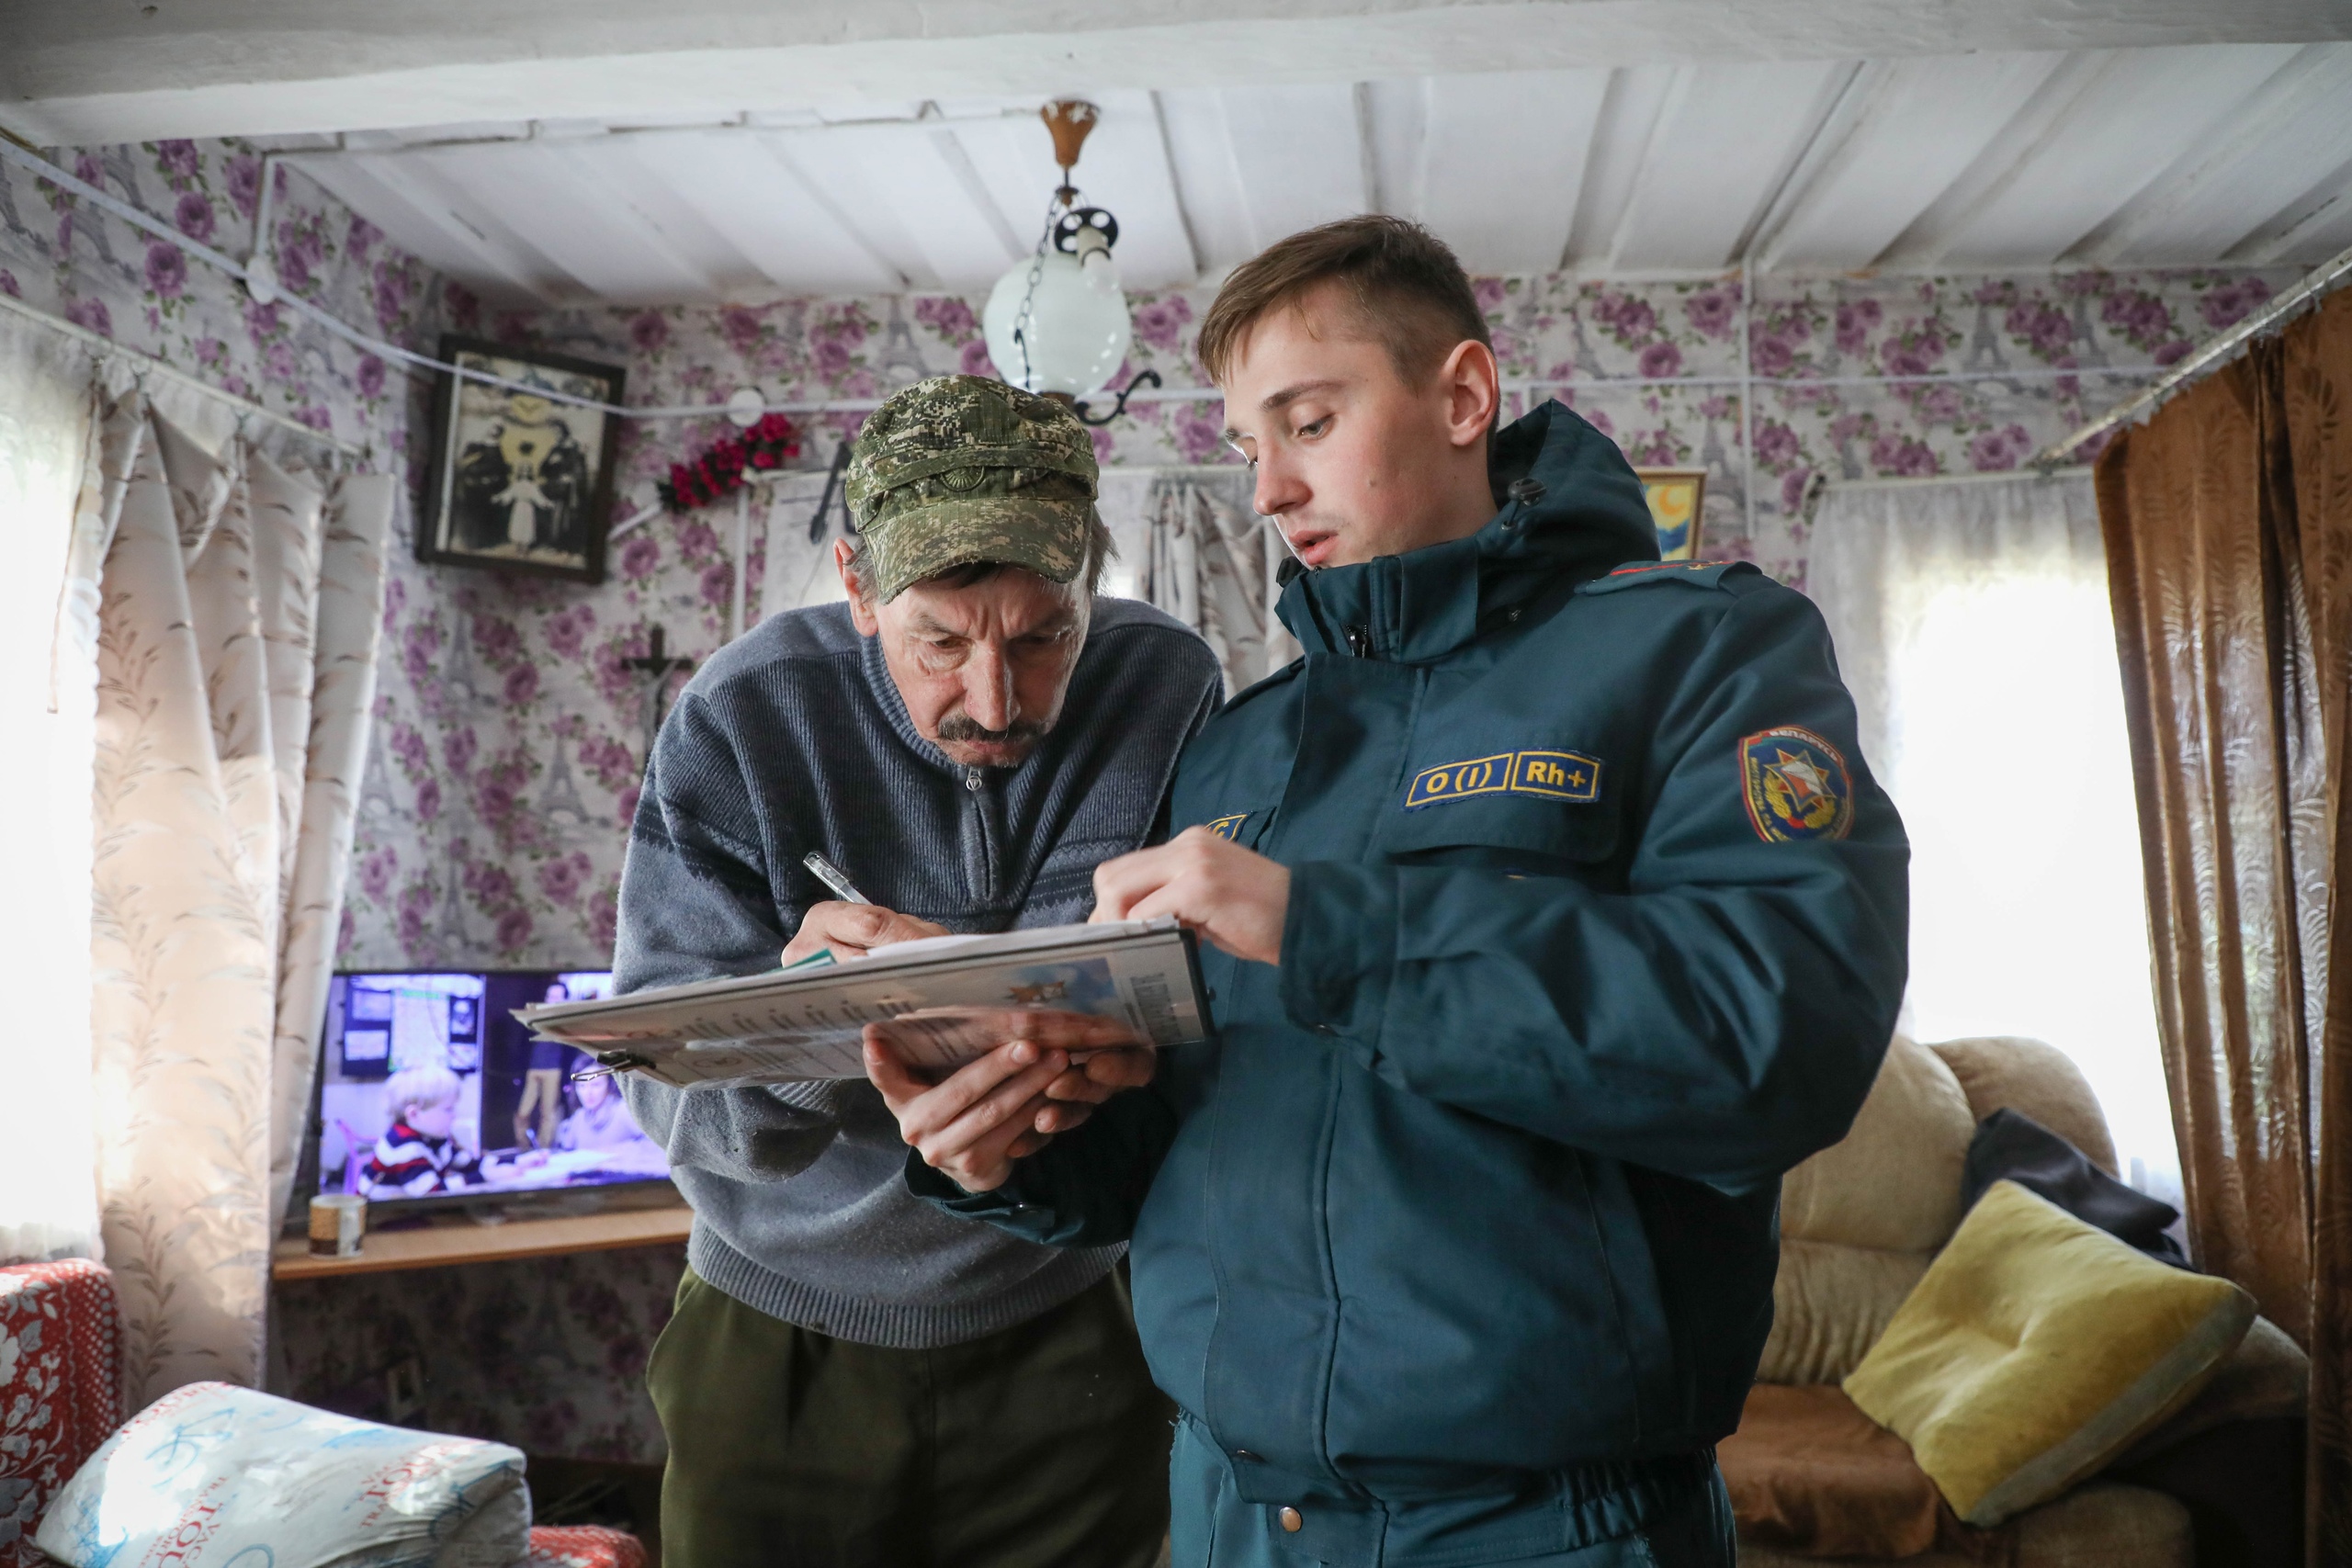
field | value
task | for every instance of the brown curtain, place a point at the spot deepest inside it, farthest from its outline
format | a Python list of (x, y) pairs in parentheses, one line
[(2229, 539)]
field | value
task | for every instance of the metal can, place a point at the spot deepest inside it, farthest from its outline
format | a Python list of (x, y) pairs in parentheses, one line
[(338, 1222)]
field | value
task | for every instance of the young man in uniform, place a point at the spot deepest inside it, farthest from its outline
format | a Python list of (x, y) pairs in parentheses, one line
[(851, 1379), (1550, 916)]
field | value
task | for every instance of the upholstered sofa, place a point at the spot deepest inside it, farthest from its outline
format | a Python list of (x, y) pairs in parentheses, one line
[(1861, 1222)]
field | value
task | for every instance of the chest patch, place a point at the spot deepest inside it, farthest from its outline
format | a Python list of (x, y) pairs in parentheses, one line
[(1796, 784), (1551, 775), (1226, 827)]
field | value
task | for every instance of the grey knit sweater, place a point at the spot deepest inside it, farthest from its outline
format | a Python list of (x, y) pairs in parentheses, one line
[(794, 739)]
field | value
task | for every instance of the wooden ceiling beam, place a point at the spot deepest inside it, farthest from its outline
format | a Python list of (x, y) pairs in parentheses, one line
[(2292, 128), (513, 261)]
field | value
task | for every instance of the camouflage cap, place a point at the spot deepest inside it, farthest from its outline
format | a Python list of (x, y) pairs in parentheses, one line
[(964, 469)]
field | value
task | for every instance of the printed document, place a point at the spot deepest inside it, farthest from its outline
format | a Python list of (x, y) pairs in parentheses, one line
[(944, 1001)]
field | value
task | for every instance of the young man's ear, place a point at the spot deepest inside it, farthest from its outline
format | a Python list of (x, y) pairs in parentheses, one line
[(861, 609), (1474, 392)]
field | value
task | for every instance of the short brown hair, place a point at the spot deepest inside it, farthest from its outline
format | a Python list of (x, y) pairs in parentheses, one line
[(1403, 284)]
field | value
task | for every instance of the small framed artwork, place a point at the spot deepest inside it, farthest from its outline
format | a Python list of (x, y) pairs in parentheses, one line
[(521, 477), (1677, 498)]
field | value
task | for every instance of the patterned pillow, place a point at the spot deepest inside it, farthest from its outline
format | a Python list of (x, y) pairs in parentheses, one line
[(214, 1474)]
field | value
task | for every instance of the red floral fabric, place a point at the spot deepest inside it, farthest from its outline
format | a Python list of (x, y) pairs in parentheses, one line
[(61, 1387), (583, 1546)]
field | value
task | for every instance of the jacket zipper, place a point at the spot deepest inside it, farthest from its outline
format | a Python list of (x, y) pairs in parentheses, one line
[(980, 864)]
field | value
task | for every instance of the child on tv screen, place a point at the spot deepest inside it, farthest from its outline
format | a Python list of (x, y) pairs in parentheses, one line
[(419, 1155)]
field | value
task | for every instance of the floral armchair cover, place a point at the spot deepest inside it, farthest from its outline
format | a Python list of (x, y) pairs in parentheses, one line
[(61, 1387)]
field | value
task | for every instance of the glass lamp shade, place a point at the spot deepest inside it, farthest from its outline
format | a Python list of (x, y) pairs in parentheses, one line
[(1077, 332)]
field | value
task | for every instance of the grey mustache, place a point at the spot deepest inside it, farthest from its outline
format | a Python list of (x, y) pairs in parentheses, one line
[(964, 726)]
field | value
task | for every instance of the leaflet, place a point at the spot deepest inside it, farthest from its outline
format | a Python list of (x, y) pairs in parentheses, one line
[(941, 1001)]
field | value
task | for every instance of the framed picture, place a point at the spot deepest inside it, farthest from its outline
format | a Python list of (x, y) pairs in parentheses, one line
[(520, 479), (1677, 498)]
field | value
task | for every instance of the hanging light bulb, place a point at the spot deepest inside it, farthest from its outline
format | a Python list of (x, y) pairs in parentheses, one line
[(1057, 323)]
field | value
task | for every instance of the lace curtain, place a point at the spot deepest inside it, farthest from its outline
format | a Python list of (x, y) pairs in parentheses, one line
[(1973, 627), (1189, 544), (237, 605)]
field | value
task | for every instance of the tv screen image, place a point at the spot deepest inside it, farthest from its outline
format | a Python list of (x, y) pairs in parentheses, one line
[(430, 1089)]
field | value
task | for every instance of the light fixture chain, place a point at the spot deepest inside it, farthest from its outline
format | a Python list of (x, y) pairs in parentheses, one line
[(1026, 315)]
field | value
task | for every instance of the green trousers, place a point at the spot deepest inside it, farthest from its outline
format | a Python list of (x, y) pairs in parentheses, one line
[(1043, 1444)]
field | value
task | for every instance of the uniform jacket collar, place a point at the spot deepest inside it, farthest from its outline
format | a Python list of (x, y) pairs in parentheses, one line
[(1571, 508)]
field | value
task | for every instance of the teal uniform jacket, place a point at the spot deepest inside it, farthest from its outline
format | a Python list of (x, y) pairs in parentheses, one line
[(1597, 926)]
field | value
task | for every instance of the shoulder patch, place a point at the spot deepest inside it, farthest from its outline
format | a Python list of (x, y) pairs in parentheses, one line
[(1640, 573), (1796, 786)]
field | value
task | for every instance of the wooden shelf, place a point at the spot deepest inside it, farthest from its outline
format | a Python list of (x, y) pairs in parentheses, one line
[(454, 1239)]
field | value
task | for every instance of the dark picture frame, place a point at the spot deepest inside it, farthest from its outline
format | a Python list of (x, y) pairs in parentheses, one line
[(517, 481)]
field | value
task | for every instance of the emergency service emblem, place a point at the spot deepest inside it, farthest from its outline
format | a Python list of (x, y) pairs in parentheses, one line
[(1796, 784)]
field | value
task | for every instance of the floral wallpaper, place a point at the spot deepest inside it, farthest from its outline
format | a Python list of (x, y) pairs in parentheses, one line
[(102, 273), (510, 731), (511, 741)]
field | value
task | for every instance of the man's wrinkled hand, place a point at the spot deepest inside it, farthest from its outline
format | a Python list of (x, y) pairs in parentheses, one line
[(1236, 898), (851, 928), (975, 1123)]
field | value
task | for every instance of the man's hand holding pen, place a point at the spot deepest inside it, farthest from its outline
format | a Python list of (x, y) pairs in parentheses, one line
[(851, 931)]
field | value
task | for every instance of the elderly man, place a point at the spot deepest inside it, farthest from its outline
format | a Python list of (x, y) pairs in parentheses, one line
[(852, 1377)]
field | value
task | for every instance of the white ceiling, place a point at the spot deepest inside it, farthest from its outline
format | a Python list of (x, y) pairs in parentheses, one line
[(83, 73), (562, 150), (2150, 157)]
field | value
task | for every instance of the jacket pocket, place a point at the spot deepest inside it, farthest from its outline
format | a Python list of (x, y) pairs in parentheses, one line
[(1502, 832)]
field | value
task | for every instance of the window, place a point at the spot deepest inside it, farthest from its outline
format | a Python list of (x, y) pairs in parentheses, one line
[(47, 1203), (1972, 621)]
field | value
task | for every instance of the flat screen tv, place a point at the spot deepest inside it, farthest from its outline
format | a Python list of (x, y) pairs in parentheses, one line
[(430, 1093)]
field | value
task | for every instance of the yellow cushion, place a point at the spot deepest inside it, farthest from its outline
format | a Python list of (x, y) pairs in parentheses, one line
[(2035, 1349)]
